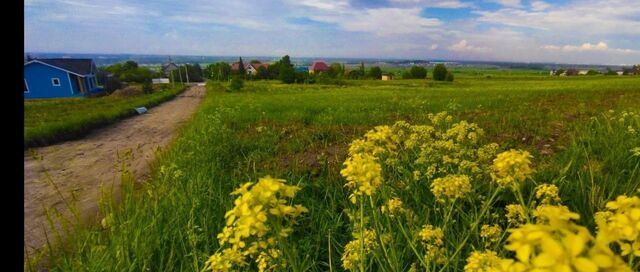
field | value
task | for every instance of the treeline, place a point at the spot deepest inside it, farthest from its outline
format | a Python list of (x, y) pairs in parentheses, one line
[(336, 73), (113, 76)]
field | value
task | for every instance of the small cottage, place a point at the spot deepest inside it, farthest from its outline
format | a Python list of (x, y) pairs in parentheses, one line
[(55, 78), (318, 66), (387, 77)]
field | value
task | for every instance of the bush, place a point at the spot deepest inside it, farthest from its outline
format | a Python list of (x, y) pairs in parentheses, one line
[(147, 88), (592, 73), (449, 76), (237, 83), (287, 74), (418, 72), (440, 72), (375, 72)]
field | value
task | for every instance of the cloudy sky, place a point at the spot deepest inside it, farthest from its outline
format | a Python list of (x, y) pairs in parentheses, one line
[(570, 31)]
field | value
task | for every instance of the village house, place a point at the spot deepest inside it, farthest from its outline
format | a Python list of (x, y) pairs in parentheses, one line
[(54, 78), (249, 68), (387, 77), (318, 66)]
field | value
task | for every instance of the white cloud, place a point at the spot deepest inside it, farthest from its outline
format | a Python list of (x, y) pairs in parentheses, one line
[(539, 5), (464, 46), (383, 21), (432, 3), (600, 46), (326, 4), (433, 47), (507, 3), (587, 18)]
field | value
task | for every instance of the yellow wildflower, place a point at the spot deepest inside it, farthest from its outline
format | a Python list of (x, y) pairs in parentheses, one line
[(516, 214), (621, 224), (450, 187), (352, 256), (248, 232), (363, 174), (511, 167), (558, 244), (547, 194), (487, 261), (432, 238), (393, 207), (491, 233)]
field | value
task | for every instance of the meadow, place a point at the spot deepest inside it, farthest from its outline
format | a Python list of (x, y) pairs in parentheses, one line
[(48, 121), (385, 209)]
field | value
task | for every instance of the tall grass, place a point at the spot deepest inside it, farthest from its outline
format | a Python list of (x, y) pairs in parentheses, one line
[(47, 121), (301, 134)]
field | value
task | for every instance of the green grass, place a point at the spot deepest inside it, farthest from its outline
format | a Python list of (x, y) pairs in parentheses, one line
[(47, 121), (301, 133)]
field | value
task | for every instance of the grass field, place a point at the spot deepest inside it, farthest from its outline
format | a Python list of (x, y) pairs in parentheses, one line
[(301, 133), (47, 121)]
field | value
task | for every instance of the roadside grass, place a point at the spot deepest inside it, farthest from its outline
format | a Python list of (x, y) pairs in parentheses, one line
[(301, 133), (47, 121)]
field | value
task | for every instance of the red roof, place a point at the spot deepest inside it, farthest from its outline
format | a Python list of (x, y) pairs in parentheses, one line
[(235, 66), (319, 66)]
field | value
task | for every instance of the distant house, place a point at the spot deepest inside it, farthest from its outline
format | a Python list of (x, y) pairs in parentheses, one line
[(54, 78), (169, 67), (249, 68), (318, 66), (387, 77), (252, 68), (301, 69), (583, 72)]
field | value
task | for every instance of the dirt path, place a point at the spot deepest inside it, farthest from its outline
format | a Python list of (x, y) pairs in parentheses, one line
[(79, 168)]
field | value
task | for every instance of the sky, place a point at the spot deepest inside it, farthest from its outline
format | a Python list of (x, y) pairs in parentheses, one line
[(570, 31)]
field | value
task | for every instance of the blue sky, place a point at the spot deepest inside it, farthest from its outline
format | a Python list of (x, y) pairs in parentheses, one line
[(578, 31)]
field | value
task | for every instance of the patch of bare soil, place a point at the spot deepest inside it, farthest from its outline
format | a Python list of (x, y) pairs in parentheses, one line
[(75, 171)]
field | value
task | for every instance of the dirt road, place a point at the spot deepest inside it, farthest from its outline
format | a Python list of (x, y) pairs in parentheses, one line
[(79, 168)]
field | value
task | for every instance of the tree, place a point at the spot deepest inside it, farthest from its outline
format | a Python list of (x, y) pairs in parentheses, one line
[(440, 72), (418, 72), (263, 73), (286, 72), (362, 71), (254, 61), (559, 72), (636, 69), (449, 76), (375, 72), (335, 70), (610, 72), (592, 72), (355, 74), (241, 70), (130, 65), (237, 83)]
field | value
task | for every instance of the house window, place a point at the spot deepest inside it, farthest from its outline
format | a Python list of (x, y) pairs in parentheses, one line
[(55, 81)]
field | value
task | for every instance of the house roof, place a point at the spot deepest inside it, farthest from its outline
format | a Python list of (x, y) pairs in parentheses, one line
[(319, 66), (258, 65), (77, 66)]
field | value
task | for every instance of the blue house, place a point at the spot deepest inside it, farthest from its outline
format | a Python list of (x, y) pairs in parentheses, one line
[(55, 78)]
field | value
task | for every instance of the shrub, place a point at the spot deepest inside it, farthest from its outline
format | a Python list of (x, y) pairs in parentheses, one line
[(592, 72), (440, 72), (237, 83), (449, 76), (147, 88), (375, 72), (418, 72)]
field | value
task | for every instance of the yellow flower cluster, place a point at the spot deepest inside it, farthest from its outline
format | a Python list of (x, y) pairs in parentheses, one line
[(558, 244), (511, 167), (363, 174), (492, 234), (432, 239), (621, 224), (253, 225), (487, 261), (516, 214), (352, 254), (393, 207), (547, 194), (450, 187)]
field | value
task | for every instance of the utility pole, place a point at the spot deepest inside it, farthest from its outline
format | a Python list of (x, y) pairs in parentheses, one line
[(180, 74), (186, 72)]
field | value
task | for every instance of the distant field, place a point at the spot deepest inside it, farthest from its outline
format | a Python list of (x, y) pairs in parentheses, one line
[(48, 121), (302, 133)]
